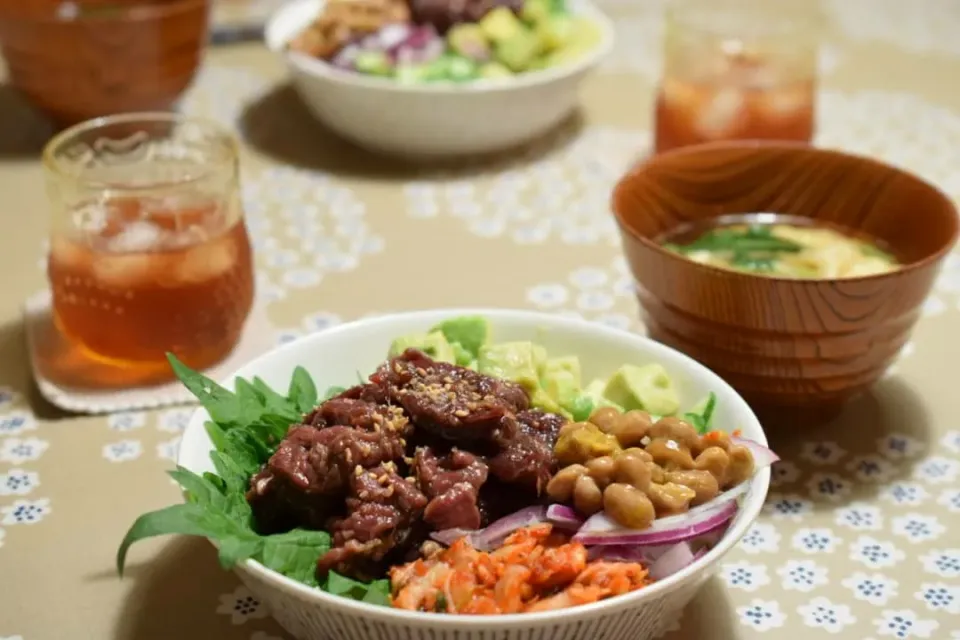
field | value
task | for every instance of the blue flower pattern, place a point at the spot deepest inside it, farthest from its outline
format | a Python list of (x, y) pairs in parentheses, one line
[(814, 540), (16, 422), (904, 624), (25, 512), (950, 499), (760, 537), (917, 527), (951, 441), (938, 470), (906, 493), (940, 597), (875, 553), (871, 468), (17, 451), (7, 396), (860, 517), (876, 589), (944, 563), (802, 575), (18, 482), (761, 615), (793, 507), (829, 486), (745, 576), (784, 472)]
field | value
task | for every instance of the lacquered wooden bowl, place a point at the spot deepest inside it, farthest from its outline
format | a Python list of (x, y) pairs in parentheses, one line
[(79, 60), (797, 350)]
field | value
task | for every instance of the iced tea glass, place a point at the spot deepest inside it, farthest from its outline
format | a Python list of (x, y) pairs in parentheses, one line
[(149, 252), (737, 69)]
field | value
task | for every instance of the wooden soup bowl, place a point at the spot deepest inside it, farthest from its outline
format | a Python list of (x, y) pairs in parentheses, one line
[(796, 349), (113, 56)]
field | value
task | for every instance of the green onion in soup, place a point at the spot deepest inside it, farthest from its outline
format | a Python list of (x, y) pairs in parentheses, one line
[(786, 250)]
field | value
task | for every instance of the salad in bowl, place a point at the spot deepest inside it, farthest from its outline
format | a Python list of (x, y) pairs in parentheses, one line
[(430, 79), (471, 466), (416, 41)]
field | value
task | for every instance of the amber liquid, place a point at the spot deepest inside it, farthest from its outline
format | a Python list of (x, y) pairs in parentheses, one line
[(745, 101), (154, 279)]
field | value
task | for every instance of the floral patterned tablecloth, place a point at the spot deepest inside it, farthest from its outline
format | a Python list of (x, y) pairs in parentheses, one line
[(860, 537)]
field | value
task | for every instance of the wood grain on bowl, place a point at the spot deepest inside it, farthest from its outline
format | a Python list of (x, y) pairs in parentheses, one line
[(804, 345), (89, 58)]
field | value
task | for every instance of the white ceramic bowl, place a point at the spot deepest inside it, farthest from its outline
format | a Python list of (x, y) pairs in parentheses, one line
[(334, 356), (433, 120)]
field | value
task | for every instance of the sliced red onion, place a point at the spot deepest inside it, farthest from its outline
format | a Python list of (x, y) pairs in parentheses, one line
[(346, 57), (426, 54), (675, 559), (762, 456), (421, 46), (649, 553), (646, 554), (420, 36), (601, 530), (490, 537), (393, 35), (564, 517)]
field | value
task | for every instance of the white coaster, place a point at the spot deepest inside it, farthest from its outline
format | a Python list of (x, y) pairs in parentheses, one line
[(57, 363)]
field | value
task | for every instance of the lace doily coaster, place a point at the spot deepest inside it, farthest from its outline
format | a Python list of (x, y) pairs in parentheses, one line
[(55, 361)]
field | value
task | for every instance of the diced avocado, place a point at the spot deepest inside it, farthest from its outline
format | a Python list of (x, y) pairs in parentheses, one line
[(539, 358), (469, 41), (460, 69), (556, 32), (432, 344), (375, 63), (539, 63), (470, 332), (518, 51), (562, 386), (494, 70), (536, 11), (584, 37), (540, 399), (595, 391), (501, 24), (461, 356), (413, 74), (648, 387), (560, 378), (568, 364), (513, 361)]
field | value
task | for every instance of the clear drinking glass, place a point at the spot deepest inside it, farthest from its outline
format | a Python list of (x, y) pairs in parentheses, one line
[(148, 250), (737, 69)]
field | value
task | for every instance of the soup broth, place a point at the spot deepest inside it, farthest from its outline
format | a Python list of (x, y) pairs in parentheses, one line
[(782, 246)]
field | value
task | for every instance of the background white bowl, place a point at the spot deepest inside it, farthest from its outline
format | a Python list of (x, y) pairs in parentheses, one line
[(333, 357), (433, 120)]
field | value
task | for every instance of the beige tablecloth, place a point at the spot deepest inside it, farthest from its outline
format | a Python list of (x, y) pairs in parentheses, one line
[(861, 535)]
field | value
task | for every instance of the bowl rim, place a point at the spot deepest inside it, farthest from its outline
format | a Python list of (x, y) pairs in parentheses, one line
[(766, 145), (750, 507), (132, 13), (529, 79)]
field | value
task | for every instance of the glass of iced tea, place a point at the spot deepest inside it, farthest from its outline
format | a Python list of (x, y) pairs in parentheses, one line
[(149, 252), (737, 69)]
